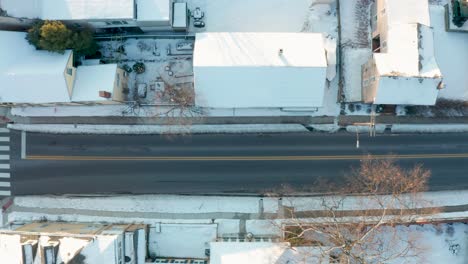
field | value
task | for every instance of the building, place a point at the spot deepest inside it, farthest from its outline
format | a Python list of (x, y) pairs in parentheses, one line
[(259, 70), (30, 76), (61, 242), (402, 68), (263, 253), (127, 15)]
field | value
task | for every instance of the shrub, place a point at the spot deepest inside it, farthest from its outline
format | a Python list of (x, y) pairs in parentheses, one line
[(139, 67), (56, 37)]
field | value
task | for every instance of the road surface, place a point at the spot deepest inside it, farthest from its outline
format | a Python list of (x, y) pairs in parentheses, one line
[(214, 164)]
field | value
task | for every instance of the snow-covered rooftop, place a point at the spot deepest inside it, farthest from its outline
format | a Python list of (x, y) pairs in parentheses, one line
[(35, 76), (259, 49), (260, 253), (235, 70), (70, 9), (153, 10), (407, 12), (409, 57), (28, 75), (410, 52), (92, 79)]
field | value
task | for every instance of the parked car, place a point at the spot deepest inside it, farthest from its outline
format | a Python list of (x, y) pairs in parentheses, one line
[(199, 24)]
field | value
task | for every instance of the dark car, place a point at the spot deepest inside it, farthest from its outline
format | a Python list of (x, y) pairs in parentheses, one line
[(199, 24)]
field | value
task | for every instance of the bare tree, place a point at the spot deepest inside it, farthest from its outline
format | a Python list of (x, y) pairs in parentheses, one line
[(182, 110), (362, 222)]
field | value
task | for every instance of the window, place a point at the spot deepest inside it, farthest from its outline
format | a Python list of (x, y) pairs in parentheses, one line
[(117, 23), (70, 71), (376, 44), (118, 79), (124, 22)]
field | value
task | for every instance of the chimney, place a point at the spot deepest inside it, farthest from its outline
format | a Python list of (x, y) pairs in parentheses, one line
[(104, 94), (280, 52)]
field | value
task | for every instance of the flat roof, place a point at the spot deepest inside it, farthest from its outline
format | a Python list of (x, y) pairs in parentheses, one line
[(179, 19), (92, 79), (70, 9), (259, 49), (28, 75), (246, 70), (153, 10)]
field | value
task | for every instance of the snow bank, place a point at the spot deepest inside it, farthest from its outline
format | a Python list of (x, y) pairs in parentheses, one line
[(152, 203), (379, 128), (430, 128), (158, 129), (331, 128)]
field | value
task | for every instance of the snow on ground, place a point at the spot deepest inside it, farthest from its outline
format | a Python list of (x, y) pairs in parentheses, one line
[(452, 56), (152, 203), (353, 59), (182, 227), (427, 128), (162, 60), (442, 243), (355, 39), (152, 111), (173, 204), (159, 129)]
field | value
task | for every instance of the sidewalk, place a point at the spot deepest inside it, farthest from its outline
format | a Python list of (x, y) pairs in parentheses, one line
[(388, 119)]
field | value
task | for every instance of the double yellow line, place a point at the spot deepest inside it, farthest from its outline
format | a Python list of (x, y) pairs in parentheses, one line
[(244, 158)]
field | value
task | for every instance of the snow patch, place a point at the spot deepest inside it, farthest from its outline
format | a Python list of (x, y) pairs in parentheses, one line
[(158, 129), (430, 128)]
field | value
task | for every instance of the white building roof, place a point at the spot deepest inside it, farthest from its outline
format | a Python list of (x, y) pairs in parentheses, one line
[(407, 12), (70, 9), (180, 15), (410, 54), (92, 79), (153, 10), (247, 70), (260, 49), (28, 75), (260, 253)]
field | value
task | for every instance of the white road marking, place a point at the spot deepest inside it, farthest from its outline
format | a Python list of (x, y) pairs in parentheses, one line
[(4, 130), (4, 175), (5, 184), (4, 139), (4, 148), (5, 193), (23, 144), (4, 166), (4, 157)]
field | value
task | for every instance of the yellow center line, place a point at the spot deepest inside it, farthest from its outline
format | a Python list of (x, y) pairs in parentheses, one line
[(244, 158)]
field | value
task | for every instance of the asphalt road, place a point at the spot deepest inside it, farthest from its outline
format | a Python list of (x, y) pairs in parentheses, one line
[(84, 164)]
